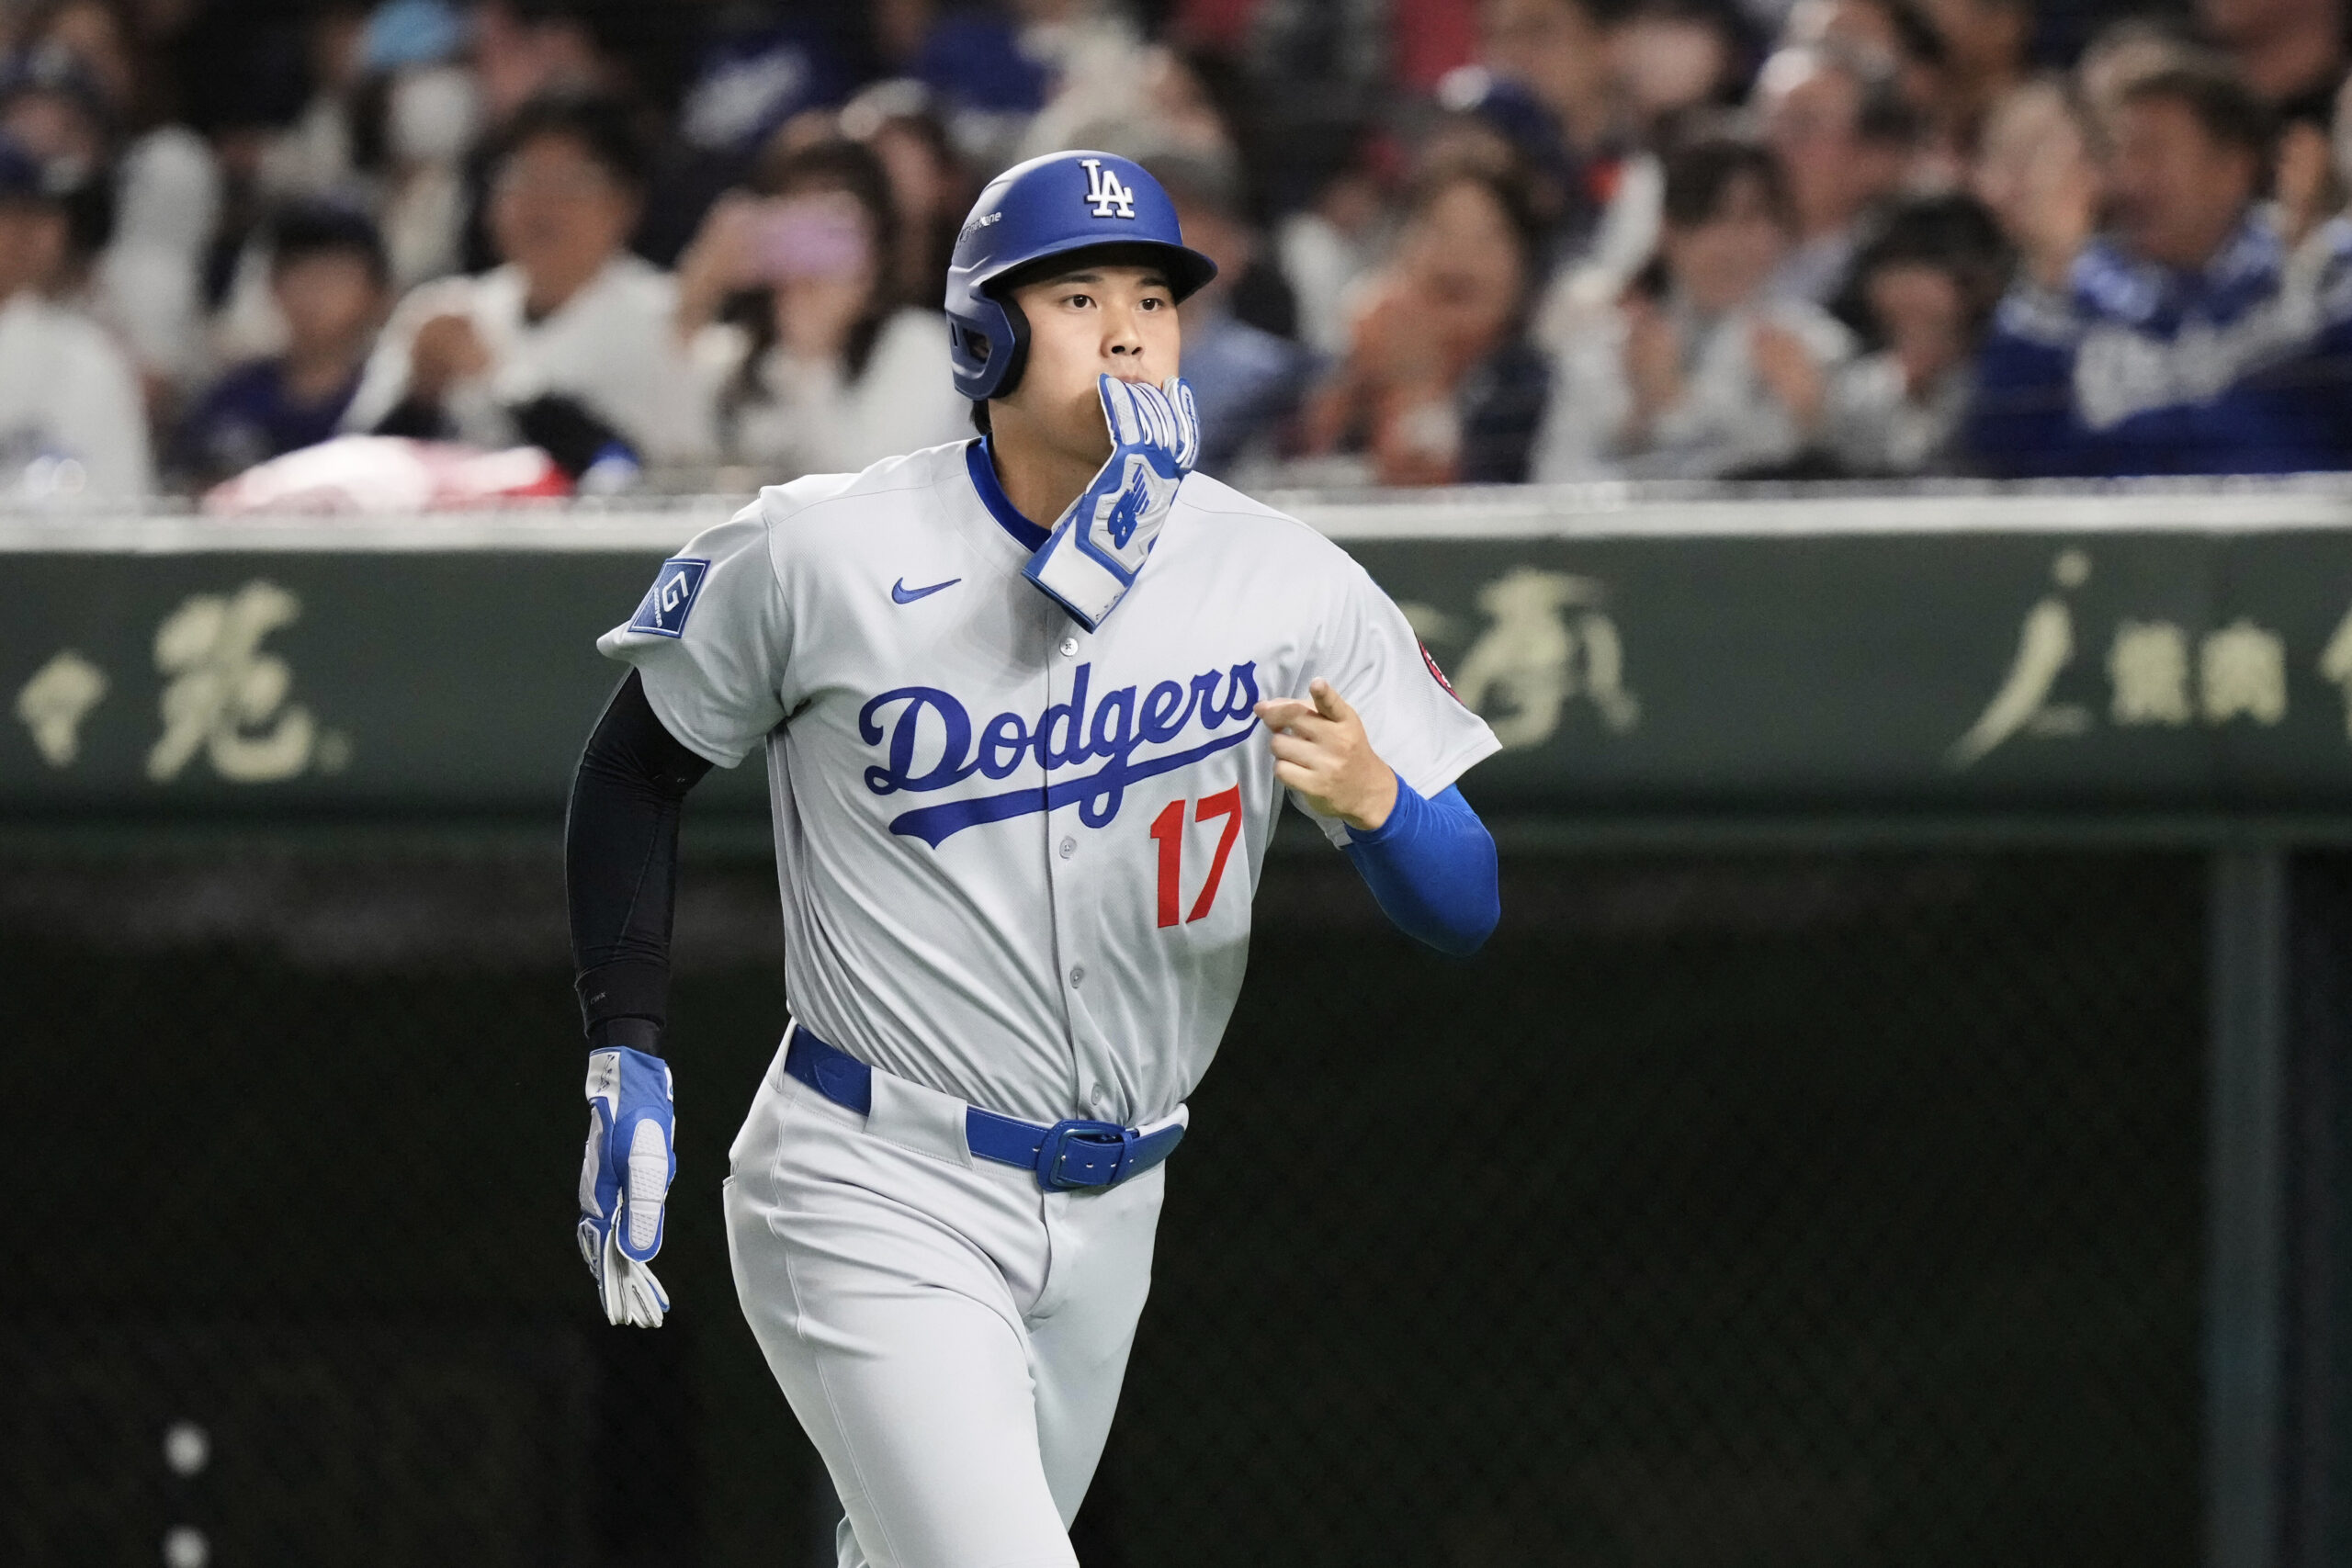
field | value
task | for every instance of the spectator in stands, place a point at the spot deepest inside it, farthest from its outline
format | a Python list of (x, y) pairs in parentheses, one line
[(2119, 55), (790, 298), (988, 76), (146, 283), (1986, 50), (1892, 39), (763, 72), (2340, 143), (1699, 371), (2290, 52), (1441, 382), (432, 125), (331, 282), (1843, 137), (928, 184), (759, 72), (54, 113), (1557, 51), (1102, 72), (1325, 247), (1497, 127), (1248, 380), (53, 109), (1924, 287), (1149, 99), (2304, 189), (317, 154), (1667, 58), (570, 345), (1673, 61), (1553, 56), (526, 52), (70, 423), (2036, 172), (2182, 341)]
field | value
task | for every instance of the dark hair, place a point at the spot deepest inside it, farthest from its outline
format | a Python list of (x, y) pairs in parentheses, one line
[(1885, 116), (1917, 35), (2222, 105), (1954, 234), (1513, 191), (1882, 114), (304, 229), (904, 108), (834, 164), (24, 181), (603, 126), (1699, 176), (645, 46)]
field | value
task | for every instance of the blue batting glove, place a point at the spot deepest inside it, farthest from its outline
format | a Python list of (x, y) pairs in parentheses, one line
[(624, 1181), (1100, 544)]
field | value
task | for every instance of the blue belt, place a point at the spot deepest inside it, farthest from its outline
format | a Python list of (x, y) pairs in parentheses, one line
[(1065, 1156)]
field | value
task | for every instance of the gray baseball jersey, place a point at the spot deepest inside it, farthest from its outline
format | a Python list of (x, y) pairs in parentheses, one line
[(1017, 858)]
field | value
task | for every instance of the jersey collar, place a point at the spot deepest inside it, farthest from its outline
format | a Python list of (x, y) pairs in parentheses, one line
[(982, 467)]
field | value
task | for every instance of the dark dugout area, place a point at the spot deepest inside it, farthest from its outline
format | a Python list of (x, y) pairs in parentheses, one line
[(1791, 1206)]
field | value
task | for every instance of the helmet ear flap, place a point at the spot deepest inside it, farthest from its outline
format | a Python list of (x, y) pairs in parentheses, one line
[(1016, 348), (990, 344)]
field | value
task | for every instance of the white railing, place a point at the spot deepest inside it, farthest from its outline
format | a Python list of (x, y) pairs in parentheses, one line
[(628, 525)]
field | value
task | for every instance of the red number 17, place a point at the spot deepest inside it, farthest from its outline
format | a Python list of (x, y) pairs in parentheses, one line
[(1169, 828)]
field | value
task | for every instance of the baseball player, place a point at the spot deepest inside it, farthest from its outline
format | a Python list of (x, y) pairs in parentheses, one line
[(1030, 705)]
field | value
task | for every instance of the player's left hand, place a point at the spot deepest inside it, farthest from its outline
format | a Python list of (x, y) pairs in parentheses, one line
[(624, 1181), (1100, 544), (1321, 751)]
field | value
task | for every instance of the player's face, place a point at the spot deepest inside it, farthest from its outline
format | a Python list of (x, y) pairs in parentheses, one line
[(1099, 321)]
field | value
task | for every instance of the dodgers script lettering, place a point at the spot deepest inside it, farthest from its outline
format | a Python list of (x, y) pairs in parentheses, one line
[(930, 744)]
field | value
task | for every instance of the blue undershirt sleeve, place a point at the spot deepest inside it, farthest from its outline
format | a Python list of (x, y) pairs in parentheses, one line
[(1432, 866)]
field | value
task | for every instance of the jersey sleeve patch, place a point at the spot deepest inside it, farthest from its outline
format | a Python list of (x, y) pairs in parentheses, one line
[(1430, 659), (671, 598)]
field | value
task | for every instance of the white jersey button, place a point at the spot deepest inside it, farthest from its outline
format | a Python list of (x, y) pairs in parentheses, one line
[(1070, 848), (1069, 645), (1102, 1097), (1076, 976)]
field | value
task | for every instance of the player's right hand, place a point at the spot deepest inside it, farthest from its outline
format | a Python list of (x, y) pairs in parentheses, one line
[(624, 1181), (1100, 543), (1321, 751)]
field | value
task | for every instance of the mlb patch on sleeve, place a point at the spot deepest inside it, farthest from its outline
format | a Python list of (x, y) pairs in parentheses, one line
[(671, 598)]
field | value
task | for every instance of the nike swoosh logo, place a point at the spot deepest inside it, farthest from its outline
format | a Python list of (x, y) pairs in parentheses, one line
[(902, 594)]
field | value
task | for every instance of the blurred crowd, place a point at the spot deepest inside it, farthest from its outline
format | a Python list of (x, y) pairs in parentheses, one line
[(702, 243)]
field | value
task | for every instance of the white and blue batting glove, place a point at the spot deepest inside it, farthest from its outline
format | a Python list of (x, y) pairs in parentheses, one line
[(1100, 544), (624, 1181)]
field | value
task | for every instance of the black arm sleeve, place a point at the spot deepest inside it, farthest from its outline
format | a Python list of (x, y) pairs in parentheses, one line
[(620, 868)]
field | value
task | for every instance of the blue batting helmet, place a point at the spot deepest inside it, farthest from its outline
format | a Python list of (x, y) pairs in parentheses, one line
[(1051, 205)]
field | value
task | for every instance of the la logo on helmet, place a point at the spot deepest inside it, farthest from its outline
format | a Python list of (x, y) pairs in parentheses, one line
[(1105, 193)]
